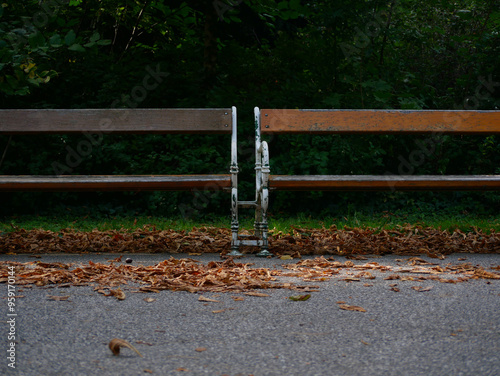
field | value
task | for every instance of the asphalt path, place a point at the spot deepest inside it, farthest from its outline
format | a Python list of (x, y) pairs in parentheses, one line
[(451, 329)]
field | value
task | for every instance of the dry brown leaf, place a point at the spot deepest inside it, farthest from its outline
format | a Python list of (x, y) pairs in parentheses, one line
[(481, 273), (350, 279), (58, 298), (352, 308), (149, 300), (200, 349), (238, 298), (115, 344), (118, 294), (205, 299), (392, 277), (418, 261), (261, 294), (421, 288)]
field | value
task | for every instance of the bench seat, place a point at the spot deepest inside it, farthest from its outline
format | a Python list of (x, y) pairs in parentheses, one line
[(113, 182), (325, 122), (383, 182)]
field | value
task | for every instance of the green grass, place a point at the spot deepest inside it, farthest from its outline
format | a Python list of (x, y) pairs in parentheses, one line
[(279, 222), (358, 220)]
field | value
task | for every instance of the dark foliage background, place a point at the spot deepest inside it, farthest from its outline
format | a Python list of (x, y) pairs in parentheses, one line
[(431, 54)]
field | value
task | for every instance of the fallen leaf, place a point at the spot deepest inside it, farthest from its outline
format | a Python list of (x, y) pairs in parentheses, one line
[(149, 300), (352, 308), (299, 298), (392, 277), (205, 299), (481, 273), (182, 369), (421, 288), (58, 298), (261, 294), (118, 293), (200, 349), (116, 343), (148, 371), (350, 279), (286, 257), (238, 298)]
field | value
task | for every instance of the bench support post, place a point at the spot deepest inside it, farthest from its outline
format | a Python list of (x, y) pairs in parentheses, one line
[(262, 192), (234, 189)]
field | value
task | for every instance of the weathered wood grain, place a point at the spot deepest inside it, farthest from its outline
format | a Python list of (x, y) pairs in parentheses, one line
[(116, 120), (379, 121), (114, 182), (384, 182)]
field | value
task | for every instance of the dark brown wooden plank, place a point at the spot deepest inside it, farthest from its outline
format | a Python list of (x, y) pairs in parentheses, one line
[(114, 182), (383, 182), (380, 121), (116, 120)]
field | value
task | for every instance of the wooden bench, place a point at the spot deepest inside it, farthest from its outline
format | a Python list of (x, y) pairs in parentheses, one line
[(97, 122), (325, 122)]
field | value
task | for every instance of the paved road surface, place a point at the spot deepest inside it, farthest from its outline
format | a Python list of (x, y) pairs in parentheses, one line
[(452, 329)]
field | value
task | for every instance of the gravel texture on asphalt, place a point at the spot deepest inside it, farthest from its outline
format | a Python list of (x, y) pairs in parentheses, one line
[(452, 329)]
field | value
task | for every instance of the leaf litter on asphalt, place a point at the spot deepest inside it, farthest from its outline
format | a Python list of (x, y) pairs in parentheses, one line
[(227, 276)]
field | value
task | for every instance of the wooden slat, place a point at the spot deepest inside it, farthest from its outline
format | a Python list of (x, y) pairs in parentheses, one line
[(116, 120), (380, 121), (384, 182), (114, 182)]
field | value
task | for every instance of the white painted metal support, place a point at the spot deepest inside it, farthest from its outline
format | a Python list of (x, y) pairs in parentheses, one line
[(262, 187), (261, 195), (247, 204), (234, 187)]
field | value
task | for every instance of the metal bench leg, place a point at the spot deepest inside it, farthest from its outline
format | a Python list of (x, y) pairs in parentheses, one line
[(264, 200), (234, 224), (235, 243), (262, 182)]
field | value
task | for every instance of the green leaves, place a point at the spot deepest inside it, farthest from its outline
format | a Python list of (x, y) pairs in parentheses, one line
[(299, 298), (70, 38)]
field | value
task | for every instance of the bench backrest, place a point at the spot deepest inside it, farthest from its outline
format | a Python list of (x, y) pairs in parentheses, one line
[(117, 121), (379, 121)]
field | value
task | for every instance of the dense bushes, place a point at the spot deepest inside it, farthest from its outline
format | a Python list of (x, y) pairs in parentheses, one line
[(289, 54)]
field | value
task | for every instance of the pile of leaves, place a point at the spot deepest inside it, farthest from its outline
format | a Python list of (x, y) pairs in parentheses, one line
[(408, 240), (228, 276), (145, 240), (172, 274)]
